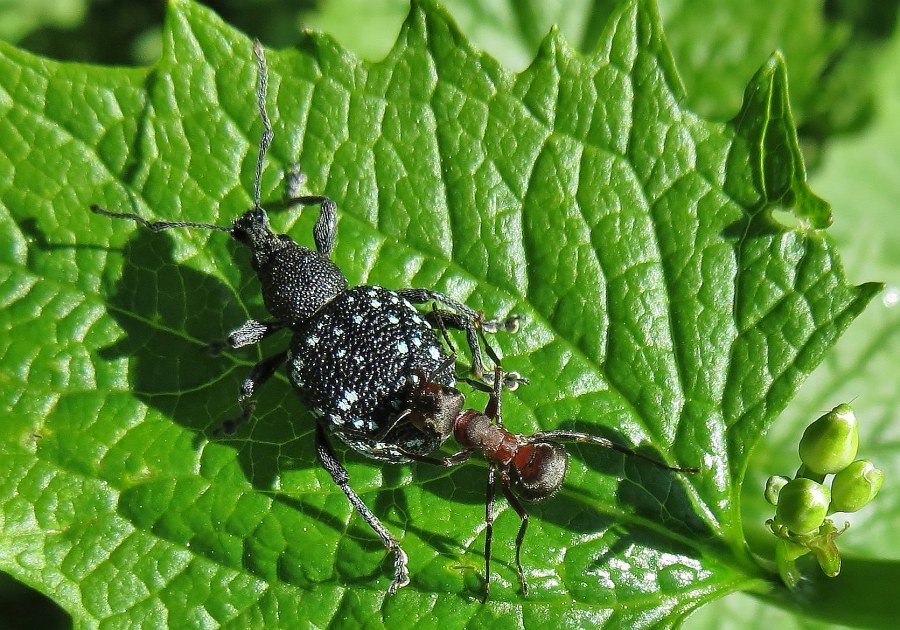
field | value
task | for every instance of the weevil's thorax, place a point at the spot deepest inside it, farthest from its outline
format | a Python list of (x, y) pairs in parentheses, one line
[(296, 281)]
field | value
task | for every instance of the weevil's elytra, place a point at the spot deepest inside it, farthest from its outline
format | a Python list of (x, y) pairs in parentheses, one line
[(373, 370), (379, 347)]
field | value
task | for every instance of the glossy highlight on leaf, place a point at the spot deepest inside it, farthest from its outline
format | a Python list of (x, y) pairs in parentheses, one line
[(662, 307)]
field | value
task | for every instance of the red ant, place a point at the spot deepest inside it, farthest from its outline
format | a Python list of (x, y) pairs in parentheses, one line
[(528, 467)]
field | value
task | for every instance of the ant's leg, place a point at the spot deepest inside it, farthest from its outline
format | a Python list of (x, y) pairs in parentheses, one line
[(520, 510), (445, 462), (259, 374), (341, 478), (577, 436), (488, 529), (492, 410)]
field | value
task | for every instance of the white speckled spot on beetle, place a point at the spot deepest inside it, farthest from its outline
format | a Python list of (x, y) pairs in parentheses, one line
[(414, 378), (338, 332), (312, 340), (393, 319), (335, 419), (340, 353), (375, 304), (357, 319), (394, 298), (408, 305), (434, 352), (417, 341), (348, 399), (402, 348)]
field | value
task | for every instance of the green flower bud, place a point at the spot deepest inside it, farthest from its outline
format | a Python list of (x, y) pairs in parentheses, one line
[(830, 443), (855, 486), (803, 505), (773, 486)]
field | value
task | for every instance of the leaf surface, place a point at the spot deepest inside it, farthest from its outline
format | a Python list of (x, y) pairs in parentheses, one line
[(664, 307)]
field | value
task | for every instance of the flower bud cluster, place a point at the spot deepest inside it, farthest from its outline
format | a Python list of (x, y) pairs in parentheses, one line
[(802, 505)]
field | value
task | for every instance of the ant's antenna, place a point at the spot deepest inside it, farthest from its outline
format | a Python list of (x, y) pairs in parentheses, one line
[(262, 85)]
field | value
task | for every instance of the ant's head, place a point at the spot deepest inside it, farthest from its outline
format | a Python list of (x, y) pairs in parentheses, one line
[(435, 407), (537, 470)]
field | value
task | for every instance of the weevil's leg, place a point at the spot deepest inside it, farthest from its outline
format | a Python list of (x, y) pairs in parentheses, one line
[(495, 324), (259, 374), (476, 319), (462, 317), (294, 180), (489, 529), (341, 478), (251, 332), (512, 379), (325, 230), (520, 510), (577, 436), (482, 386), (421, 296), (443, 319)]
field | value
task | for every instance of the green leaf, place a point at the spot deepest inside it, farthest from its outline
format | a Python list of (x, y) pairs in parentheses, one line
[(861, 178), (830, 46), (664, 307)]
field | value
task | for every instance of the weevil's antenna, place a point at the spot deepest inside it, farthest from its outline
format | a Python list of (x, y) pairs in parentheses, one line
[(158, 226), (264, 142), (262, 85)]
